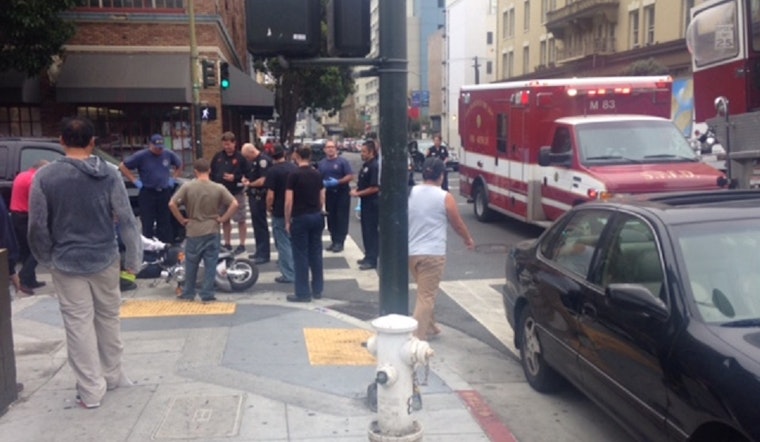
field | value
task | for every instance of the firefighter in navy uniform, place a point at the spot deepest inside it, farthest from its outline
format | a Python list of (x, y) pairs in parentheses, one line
[(439, 151), (368, 189), (254, 182)]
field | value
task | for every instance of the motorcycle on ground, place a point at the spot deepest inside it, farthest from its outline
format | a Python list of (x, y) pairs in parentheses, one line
[(166, 262)]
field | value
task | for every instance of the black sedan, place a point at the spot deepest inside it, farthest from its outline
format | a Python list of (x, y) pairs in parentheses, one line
[(651, 308)]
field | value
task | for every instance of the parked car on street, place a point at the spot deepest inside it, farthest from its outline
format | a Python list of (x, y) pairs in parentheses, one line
[(20, 153), (651, 307)]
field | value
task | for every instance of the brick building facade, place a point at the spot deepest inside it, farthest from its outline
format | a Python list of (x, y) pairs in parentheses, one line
[(128, 68)]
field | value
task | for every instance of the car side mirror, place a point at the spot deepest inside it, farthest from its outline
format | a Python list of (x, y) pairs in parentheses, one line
[(547, 158), (637, 298)]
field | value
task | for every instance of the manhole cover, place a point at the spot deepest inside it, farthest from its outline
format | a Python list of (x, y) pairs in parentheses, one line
[(492, 248)]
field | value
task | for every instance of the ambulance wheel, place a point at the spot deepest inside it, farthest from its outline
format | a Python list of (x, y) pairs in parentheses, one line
[(480, 198)]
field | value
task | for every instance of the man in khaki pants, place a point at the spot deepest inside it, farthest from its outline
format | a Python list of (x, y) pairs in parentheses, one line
[(431, 209), (74, 206)]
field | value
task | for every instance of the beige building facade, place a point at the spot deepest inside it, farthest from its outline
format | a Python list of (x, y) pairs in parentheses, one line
[(557, 38)]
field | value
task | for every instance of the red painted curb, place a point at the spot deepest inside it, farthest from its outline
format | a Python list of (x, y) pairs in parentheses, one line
[(486, 418)]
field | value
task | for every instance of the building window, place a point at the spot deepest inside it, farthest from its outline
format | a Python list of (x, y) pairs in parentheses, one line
[(634, 29), (122, 129), (509, 23), (542, 55), (551, 49), (489, 38), (526, 17), (526, 60), (133, 4), (649, 24), (20, 121), (509, 64), (489, 67), (547, 6)]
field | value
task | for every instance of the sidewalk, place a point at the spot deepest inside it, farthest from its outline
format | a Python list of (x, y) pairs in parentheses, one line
[(267, 371)]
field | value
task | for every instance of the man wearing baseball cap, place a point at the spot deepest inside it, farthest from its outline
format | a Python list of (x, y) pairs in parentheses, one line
[(155, 179)]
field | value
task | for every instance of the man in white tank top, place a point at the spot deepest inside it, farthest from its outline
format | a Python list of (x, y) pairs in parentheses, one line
[(430, 210)]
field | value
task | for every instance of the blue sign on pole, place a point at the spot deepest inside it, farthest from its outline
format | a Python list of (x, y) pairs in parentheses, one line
[(415, 98), (425, 98)]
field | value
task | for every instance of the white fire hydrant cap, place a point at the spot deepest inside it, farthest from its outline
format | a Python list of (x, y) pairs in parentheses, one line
[(395, 323)]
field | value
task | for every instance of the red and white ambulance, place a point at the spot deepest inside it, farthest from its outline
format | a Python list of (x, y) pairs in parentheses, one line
[(533, 149)]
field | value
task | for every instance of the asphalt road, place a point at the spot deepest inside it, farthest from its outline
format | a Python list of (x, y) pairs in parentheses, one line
[(471, 302)]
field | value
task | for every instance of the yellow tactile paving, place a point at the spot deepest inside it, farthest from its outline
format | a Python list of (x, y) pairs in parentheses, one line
[(155, 308), (337, 346)]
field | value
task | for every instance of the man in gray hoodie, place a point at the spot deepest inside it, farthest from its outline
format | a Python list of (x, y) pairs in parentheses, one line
[(74, 205)]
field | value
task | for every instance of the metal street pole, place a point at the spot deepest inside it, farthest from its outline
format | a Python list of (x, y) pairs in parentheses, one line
[(394, 235), (195, 107)]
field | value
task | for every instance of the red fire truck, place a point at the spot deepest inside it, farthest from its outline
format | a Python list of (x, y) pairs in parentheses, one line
[(533, 149), (724, 40)]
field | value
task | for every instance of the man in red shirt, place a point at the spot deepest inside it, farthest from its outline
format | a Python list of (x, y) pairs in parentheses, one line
[(20, 219)]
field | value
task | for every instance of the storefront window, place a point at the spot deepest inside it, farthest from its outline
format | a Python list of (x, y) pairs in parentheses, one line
[(20, 121), (133, 4), (122, 130)]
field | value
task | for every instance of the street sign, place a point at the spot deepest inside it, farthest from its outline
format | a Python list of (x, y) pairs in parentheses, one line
[(416, 98), (425, 98)]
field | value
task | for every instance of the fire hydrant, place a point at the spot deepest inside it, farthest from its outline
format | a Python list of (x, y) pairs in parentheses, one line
[(398, 353)]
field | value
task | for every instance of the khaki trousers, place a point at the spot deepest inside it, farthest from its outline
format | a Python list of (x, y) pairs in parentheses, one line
[(90, 309), (427, 271)]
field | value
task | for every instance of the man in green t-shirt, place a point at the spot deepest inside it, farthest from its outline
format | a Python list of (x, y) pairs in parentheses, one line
[(203, 200)]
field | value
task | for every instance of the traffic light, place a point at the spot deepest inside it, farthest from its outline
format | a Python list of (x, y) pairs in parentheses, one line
[(224, 75), (348, 28), (290, 28), (208, 67)]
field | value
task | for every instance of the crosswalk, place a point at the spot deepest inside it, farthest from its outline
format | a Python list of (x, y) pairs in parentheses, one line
[(481, 298)]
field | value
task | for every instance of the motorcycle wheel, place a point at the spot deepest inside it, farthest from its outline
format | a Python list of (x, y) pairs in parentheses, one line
[(242, 274)]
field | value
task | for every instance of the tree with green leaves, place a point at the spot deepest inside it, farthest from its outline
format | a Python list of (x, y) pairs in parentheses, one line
[(32, 32), (315, 87)]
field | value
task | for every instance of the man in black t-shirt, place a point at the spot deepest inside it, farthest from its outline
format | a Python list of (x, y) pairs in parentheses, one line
[(228, 167), (304, 205), (368, 189), (276, 182)]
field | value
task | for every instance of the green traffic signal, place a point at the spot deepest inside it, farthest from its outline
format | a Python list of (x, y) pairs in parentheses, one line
[(224, 75)]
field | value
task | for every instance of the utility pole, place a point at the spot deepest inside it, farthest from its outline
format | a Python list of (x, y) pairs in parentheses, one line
[(195, 107), (394, 235), (476, 65)]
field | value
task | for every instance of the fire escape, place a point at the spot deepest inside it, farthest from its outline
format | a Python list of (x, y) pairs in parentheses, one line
[(585, 27)]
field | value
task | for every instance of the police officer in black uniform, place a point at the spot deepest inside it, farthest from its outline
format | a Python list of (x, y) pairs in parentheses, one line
[(254, 182), (368, 189), (439, 151)]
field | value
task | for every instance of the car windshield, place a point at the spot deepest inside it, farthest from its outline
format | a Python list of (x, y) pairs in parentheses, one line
[(723, 270), (632, 142)]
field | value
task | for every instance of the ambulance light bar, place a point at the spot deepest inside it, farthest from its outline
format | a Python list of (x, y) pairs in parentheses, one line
[(572, 92)]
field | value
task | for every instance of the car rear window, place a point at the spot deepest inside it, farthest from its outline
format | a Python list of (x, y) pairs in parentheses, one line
[(30, 155)]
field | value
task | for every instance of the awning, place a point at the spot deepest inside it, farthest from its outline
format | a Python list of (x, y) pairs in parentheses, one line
[(248, 96), (124, 78), (17, 88)]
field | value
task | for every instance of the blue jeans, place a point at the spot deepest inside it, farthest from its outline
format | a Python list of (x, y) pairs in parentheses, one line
[(284, 251), (306, 243), (199, 248)]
